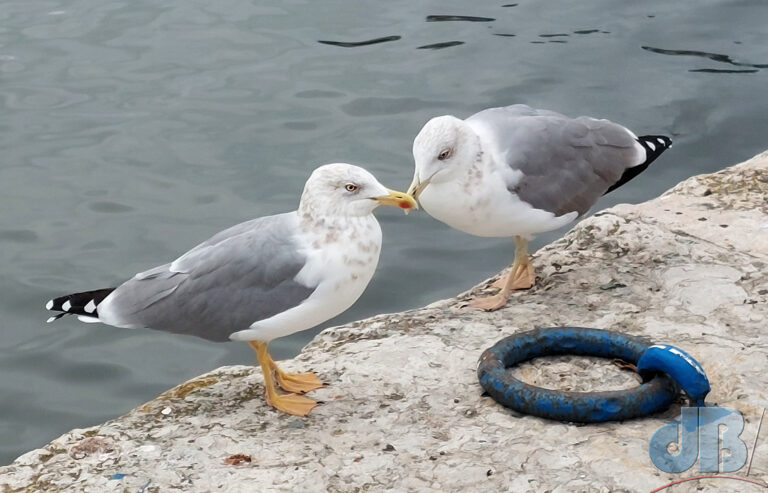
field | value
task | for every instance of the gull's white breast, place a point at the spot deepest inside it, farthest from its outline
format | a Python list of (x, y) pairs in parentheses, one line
[(481, 204)]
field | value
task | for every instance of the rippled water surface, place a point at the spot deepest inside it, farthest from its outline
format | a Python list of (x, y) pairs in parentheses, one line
[(130, 131)]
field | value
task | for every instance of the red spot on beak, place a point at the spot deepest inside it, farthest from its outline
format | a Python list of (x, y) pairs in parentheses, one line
[(405, 205)]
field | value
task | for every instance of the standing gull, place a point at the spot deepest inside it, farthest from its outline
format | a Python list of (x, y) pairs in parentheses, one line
[(519, 171), (261, 279)]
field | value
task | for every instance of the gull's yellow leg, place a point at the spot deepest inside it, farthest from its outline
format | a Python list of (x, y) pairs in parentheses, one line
[(521, 276), (526, 277), (288, 403), (295, 382)]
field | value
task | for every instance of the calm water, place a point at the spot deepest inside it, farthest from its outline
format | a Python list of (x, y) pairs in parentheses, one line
[(129, 132)]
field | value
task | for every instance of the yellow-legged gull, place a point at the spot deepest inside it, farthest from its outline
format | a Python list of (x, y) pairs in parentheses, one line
[(261, 279), (519, 171)]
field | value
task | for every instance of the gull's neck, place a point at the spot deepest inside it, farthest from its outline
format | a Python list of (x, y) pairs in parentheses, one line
[(475, 167), (344, 249), (325, 229)]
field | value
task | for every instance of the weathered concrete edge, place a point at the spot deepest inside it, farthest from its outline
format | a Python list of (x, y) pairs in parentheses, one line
[(718, 197)]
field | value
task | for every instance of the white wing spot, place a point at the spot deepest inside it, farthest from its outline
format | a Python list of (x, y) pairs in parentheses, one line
[(651, 145), (51, 319), (49, 305), (66, 306), (90, 307), (661, 141)]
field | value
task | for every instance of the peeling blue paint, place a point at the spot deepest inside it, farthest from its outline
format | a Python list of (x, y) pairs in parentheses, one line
[(652, 396), (680, 366)]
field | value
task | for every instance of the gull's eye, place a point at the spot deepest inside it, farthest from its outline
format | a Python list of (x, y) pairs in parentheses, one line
[(444, 154), (351, 187)]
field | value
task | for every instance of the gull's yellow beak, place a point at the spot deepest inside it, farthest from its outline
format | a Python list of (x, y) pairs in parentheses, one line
[(397, 199), (417, 187)]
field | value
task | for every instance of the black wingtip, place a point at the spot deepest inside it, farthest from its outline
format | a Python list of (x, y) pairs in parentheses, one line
[(654, 145), (56, 317), (84, 303)]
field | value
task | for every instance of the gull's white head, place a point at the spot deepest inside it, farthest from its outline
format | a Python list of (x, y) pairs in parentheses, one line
[(341, 189), (445, 148)]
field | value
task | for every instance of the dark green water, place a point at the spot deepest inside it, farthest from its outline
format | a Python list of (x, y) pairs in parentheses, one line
[(130, 131)]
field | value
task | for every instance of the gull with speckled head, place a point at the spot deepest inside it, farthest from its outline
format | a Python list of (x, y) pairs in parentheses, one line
[(519, 171), (261, 279)]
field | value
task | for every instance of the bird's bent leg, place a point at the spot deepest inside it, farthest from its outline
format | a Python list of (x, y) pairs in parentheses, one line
[(295, 382), (521, 271), (521, 276), (288, 403), (524, 276)]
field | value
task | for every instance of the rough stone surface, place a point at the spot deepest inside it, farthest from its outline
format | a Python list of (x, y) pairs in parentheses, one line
[(404, 411)]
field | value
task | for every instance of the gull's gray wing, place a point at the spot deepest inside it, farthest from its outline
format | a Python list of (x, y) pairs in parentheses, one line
[(566, 163), (240, 275)]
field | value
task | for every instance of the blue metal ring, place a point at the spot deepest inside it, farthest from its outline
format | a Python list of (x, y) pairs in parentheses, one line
[(581, 407)]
